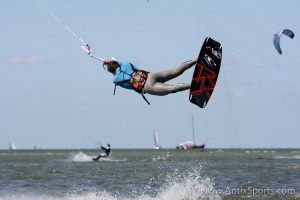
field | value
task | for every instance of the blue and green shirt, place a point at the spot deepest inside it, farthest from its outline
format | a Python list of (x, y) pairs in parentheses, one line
[(123, 74)]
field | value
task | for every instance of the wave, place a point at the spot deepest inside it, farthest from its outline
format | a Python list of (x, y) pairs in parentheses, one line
[(179, 191), (92, 196), (287, 157), (260, 151), (217, 151), (180, 185), (162, 157)]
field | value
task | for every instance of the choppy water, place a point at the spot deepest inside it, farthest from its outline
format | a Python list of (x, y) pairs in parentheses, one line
[(150, 175)]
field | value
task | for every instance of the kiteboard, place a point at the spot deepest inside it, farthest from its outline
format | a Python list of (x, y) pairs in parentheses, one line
[(206, 72)]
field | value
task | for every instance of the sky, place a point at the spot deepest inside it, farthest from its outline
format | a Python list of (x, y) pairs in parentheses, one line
[(52, 95)]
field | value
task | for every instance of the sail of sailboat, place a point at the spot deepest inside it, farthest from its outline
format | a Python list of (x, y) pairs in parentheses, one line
[(12, 146), (156, 140)]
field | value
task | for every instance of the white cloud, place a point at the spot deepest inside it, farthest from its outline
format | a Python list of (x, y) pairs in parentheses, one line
[(26, 59)]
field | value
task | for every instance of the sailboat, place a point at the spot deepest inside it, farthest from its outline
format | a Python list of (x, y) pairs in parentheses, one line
[(191, 144), (12, 146), (156, 140)]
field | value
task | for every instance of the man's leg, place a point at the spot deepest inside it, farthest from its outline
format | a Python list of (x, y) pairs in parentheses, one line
[(155, 82), (95, 159), (169, 74), (161, 89)]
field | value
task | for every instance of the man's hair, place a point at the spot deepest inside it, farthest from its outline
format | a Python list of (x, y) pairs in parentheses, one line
[(112, 68)]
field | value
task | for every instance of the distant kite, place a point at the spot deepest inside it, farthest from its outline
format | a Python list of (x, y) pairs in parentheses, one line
[(277, 36)]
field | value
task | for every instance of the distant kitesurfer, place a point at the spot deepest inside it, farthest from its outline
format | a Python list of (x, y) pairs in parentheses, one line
[(128, 76), (106, 153)]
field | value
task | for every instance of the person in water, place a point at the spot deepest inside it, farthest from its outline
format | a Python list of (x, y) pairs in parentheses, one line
[(128, 76), (106, 153)]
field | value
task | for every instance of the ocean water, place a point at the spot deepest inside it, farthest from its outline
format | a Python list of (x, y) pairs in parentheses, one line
[(165, 174)]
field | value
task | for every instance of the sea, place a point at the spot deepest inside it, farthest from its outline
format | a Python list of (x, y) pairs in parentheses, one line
[(148, 174)]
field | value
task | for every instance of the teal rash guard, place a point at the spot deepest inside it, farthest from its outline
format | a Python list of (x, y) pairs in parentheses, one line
[(123, 74)]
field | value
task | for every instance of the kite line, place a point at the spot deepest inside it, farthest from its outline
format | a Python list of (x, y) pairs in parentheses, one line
[(85, 46)]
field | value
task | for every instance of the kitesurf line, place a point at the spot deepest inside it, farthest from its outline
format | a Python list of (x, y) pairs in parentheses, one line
[(85, 46), (94, 37), (61, 22)]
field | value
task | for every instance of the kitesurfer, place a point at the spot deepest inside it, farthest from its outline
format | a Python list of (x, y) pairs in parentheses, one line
[(106, 153), (128, 76)]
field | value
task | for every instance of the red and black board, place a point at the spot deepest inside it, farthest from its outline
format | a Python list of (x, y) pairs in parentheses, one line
[(206, 72)]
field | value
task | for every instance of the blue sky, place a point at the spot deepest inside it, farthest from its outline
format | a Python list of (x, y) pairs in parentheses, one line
[(55, 96)]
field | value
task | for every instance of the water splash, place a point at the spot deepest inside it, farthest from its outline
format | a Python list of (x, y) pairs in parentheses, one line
[(82, 157), (161, 157), (181, 183)]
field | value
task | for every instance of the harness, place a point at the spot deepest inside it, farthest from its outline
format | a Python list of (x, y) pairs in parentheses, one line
[(137, 81)]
